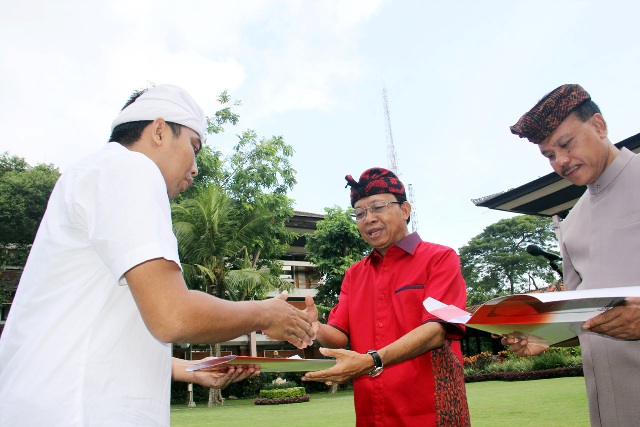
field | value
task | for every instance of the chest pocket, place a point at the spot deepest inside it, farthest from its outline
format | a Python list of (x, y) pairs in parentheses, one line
[(409, 288), (409, 295), (408, 305)]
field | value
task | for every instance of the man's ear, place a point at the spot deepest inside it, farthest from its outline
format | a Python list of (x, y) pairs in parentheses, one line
[(158, 130), (406, 209), (599, 124)]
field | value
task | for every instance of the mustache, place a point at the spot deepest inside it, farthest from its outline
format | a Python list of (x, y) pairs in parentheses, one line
[(566, 169)]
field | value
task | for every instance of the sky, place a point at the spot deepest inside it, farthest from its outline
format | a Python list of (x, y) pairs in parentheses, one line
[(457, 74)]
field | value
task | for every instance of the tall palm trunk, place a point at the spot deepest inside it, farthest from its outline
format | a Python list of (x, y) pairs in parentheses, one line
[(215, 395)]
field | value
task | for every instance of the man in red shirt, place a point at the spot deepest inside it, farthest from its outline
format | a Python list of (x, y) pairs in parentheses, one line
[(406, 365)]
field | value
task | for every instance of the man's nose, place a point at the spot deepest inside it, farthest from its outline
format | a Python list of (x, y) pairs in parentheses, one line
[(562, 158), (370, 217)]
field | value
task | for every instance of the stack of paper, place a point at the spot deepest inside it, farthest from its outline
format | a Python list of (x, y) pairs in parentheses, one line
[(552, 317), (266, 364)]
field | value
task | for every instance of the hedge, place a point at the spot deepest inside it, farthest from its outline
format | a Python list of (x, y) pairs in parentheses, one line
[(282, 400), (282, 392), (569, 371)]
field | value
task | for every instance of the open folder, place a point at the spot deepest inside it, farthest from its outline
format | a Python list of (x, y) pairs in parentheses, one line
[(267, 364), (546, 318)]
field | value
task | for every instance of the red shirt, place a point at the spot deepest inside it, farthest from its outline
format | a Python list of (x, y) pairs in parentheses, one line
[(381, 301)]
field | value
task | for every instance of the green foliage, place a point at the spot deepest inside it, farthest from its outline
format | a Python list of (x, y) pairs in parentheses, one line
[(216, 123), (6, 296), (247, 282), (257, 176), (277, 386), (212, 240), (282, 392), (506, 361), (207, 231), (250, 387), (496, 263), (241, 235), (24, 193), (510, 365), (553, 358), (333, 248)]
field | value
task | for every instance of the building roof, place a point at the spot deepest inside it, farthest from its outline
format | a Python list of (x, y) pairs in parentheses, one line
[(302, 222), (546, 196)]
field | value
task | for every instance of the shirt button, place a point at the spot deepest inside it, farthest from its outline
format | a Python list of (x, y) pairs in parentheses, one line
[(381, 296), (386, 269), (380, 325)]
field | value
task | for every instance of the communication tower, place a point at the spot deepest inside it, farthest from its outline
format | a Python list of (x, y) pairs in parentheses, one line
[(393, 160)]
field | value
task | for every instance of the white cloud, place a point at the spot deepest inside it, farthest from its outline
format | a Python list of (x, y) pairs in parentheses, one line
[(457, 73)]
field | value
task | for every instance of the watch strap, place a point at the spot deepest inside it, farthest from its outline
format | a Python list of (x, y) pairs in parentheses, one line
[(377, 361)]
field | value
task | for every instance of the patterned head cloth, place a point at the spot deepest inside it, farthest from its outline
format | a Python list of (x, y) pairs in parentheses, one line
[(549, 112), (375, 181)]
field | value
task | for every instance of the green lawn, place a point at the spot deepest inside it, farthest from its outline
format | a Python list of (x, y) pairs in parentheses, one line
[(553, 402)]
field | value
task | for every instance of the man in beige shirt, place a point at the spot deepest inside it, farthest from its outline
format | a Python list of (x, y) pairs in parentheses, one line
[(599, 241)]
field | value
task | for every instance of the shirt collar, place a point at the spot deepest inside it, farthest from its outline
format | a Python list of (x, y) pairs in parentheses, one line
[(611, 172), (408, 244)]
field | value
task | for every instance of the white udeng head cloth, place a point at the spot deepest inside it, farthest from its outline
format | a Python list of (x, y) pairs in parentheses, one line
[(172, 103)]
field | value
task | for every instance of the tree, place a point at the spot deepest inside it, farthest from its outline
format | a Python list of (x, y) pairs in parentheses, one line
[(249, 283), (256, 176), (24, 193), (212, 236), (333, 248), (208, 233), (496, 263), (212, 242)]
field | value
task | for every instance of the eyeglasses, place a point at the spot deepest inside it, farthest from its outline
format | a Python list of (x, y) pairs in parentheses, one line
[(375, 208)]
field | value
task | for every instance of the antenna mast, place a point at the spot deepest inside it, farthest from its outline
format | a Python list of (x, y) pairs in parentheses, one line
[(391, 149), (393, 161)]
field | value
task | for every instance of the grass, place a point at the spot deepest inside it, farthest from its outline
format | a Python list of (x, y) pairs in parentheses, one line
[(321, 411), (543, 403), (552, 402)]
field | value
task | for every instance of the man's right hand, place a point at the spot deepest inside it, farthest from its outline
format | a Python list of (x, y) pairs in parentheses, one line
[(287, 323), (312, 313), (523, 345)]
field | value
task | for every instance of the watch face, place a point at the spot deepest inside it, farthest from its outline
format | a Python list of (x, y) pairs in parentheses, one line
[(376, 372)]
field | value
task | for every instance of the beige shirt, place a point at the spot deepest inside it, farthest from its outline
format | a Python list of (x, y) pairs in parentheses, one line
[(600, 243)]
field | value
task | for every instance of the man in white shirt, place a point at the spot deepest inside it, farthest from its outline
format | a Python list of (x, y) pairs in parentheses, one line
[(102, 297)]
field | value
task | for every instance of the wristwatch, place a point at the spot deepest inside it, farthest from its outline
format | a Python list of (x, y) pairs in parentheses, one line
[(377, 364)]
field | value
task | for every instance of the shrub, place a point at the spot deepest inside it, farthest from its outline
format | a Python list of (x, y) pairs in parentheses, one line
[(279, 383), (554, 362), (479, 361), (286, 392), (249, 387), (280, 401), (279, 396), (511, 365), (569, 371), (548, 360)]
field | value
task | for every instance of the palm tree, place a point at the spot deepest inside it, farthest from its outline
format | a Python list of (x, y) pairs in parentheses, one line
[(212, 242)]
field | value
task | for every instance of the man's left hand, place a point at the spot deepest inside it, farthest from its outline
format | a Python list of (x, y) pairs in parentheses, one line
[(621, 322), (221, 379), (349, 364), (215, 377)]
